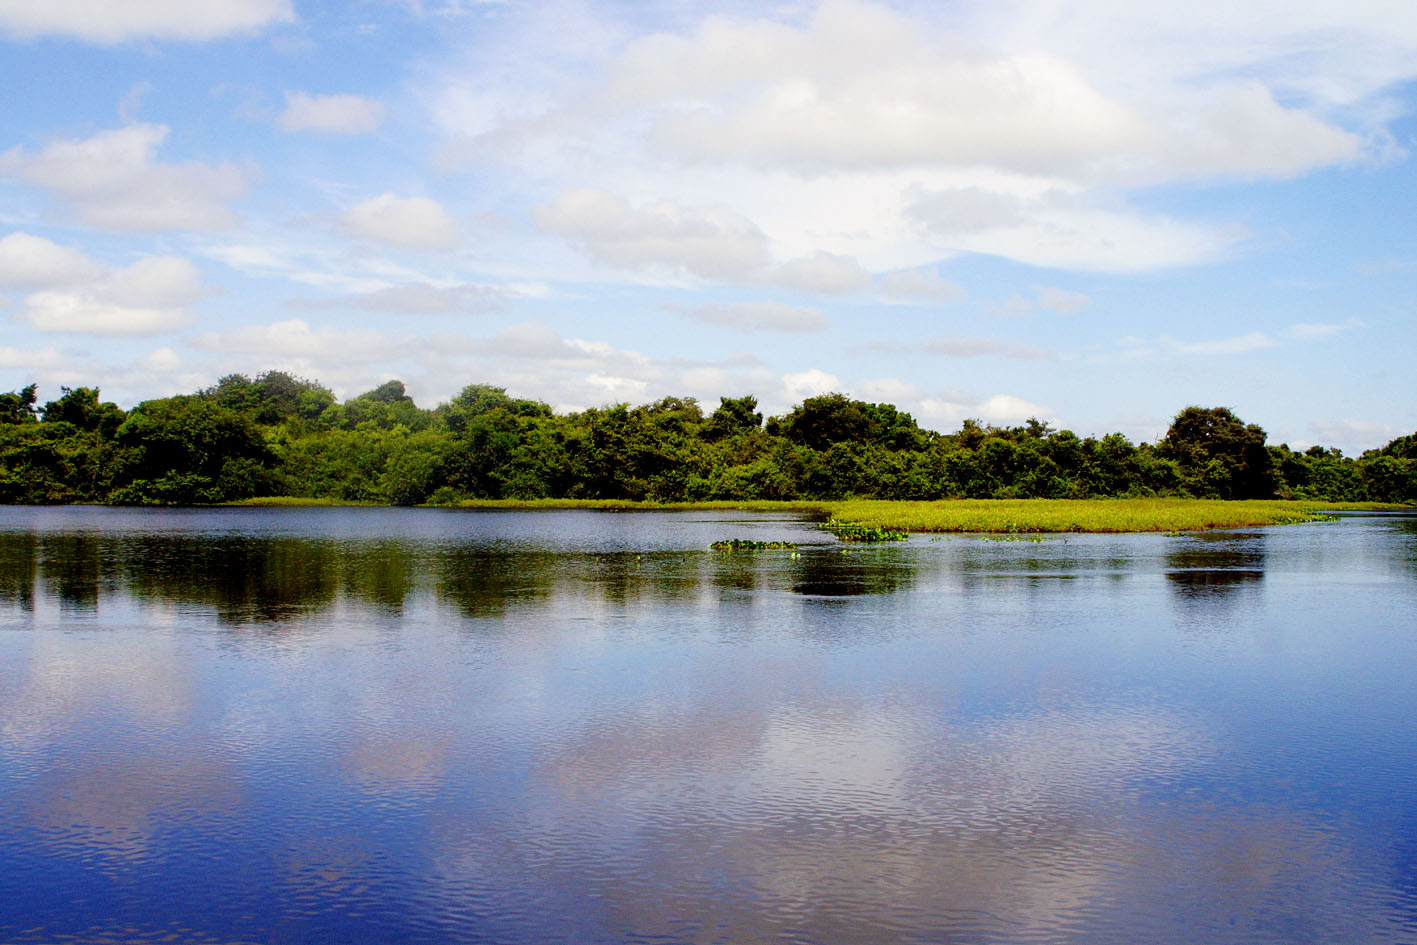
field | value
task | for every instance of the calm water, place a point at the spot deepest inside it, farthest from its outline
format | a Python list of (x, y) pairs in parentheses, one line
[(369, 725)]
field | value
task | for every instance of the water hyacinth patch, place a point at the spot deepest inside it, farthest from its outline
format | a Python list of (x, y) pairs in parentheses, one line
[(856, 531)]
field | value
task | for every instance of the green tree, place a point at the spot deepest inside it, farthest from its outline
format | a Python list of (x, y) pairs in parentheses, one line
[(1220, 455), (18, 406)]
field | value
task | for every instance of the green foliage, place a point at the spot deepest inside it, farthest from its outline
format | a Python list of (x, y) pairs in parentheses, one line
[(279, 435), (747, 544), (1219, 455), (18, 406), (189, 450), (858, 531)]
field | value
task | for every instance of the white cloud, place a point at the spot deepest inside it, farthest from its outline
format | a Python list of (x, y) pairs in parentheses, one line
[(113, 180), (893, 139), (811, 383), (712, 244), (423, 298), (166, 281), (103, 22), (1062, 232), (33, 262), (821, 272), (85, 313), (1354, 435), (161, 361), (963, 348), (918, 286), (28, 359), (1240, 344), (1061, 301), (760, 316), (78, 294), (981, 347), (296, 339), (409, 222), (999, 410), (675, 240), (859, 86), (331, 114), (1304, 331)]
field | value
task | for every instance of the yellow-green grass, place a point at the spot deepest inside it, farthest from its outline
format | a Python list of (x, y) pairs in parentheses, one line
[(959, 515), (293, 501), (630, 505), (1083, 515)]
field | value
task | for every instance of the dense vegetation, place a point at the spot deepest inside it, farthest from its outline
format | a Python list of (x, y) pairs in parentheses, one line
[(277, 435)]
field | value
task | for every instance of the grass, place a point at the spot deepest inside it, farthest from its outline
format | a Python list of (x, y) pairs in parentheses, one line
[(292, 501), (1000, 516), (1010, 516)]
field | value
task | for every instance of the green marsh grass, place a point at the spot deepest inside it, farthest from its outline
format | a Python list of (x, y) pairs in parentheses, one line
[(999, 516), (1012, 516)]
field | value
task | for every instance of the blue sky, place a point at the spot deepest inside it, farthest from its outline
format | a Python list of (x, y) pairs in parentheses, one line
[(1095, 213)]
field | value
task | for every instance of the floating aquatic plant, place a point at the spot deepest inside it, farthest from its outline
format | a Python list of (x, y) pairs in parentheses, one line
[(855, 531), (745, 544)]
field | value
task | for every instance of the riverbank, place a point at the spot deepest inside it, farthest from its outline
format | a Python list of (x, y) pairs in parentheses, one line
[(967, 515)]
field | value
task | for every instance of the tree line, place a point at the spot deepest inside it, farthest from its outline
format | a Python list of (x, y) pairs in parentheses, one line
[(279, 435)]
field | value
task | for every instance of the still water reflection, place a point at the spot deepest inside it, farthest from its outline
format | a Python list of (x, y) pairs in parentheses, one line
[(374, 725)]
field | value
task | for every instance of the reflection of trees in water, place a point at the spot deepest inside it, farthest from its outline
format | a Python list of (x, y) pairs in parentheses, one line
[(71, 566), (243, 579), (246, 580), (834, 574), (18, 568), (1211, 565)]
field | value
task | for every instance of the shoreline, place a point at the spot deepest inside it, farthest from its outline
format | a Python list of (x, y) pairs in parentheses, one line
[(997, 516)]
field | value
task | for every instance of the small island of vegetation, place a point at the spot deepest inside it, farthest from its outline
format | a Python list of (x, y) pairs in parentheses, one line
[(281, 439)]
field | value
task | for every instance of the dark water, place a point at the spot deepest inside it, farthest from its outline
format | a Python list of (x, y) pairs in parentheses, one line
[(376, 725)]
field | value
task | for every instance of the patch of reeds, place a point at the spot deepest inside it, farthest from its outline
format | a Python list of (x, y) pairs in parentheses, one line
[(745, 544)]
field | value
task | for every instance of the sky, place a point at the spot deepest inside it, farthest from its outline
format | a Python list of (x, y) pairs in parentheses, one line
[(1095, 213)]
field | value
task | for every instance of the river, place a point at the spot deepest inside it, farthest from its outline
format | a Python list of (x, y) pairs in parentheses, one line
[(423, 725)]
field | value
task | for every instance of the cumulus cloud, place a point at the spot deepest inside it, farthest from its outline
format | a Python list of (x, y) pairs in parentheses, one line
[(106, 23), (713, 244), (78, 294), (296, 339), (114, 180), (998, 409), (33, 262), (331, 114), (48, 358), (860, 86), (800, 385), (890, 140), (706, 243), (409, 222), (821, 272), (760, 316), (94, 315)]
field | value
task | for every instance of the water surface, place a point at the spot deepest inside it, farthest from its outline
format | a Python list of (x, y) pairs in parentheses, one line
[(377, 725)]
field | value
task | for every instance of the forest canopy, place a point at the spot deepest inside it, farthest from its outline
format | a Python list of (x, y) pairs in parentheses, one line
[(279, 435)]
